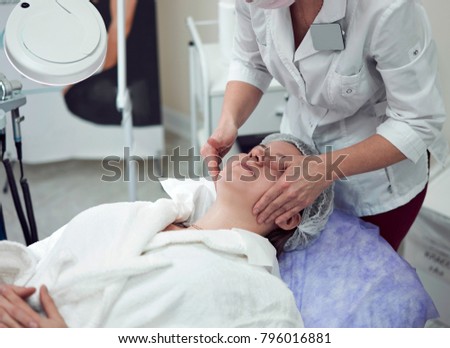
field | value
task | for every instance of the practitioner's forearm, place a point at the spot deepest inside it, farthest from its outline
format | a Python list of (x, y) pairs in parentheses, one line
[(239, 102), (374, 153)]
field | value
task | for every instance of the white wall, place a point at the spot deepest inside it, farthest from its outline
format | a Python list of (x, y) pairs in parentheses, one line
[(174, 37), (438, 11)]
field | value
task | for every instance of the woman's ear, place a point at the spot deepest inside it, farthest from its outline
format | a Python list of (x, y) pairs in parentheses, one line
[(290, 223)]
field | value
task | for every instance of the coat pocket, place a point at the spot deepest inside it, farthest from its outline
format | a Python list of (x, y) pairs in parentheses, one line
[(349, 93)]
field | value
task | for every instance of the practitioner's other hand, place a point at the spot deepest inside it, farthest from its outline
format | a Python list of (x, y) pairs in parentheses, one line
[(15, 312), (217, 146), (304, 179)]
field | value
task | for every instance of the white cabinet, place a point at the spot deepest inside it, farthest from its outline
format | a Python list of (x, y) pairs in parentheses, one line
[(265, 119), (208, 74)]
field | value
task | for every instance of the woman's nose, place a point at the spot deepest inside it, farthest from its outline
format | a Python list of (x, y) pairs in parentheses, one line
[(257, 158)]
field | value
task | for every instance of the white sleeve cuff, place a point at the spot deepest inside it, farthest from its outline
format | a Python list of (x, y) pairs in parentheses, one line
[(241, 72), (403, 137)]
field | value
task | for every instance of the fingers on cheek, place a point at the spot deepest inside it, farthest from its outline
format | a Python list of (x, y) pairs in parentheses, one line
[(264, 215), (267, 205), (284, 186), (271, 218), (283, 214), (278, 211), (286, 216), (292, 194)]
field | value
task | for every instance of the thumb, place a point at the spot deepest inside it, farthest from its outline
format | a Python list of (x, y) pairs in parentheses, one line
[(208, 150), (222, 141), (48, 304)]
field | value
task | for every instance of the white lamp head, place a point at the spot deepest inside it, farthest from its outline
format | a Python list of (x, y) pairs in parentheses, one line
[(56, 42)]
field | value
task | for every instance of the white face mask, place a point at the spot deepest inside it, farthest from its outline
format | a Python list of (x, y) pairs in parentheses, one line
[(271, 4)]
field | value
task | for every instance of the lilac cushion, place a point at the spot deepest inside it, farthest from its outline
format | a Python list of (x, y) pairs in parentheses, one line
[(351, 277)]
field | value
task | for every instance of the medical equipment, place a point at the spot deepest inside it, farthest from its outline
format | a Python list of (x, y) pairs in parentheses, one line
[(11, 99), (61, 42), (56, 42)]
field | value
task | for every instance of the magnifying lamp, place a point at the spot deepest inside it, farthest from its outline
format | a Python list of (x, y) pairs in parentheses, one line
[(56, 42)]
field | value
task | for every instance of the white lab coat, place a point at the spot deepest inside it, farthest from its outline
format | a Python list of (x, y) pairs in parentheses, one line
[(384, 82)]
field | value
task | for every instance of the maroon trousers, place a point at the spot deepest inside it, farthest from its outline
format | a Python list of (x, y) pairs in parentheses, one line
[(395, 224)]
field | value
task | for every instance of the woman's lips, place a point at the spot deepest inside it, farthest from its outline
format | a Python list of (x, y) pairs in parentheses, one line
[(246, 167)]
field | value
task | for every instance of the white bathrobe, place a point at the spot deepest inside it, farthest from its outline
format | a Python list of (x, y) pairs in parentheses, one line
[(109, 267)]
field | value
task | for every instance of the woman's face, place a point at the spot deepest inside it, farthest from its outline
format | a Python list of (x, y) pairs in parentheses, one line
[(248, 176)]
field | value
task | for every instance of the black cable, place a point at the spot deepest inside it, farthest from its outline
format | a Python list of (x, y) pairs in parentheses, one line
[(32, 234), (19, 157), (30, 212), (3, 235), (27, 196), (3, 145), (16, 200)]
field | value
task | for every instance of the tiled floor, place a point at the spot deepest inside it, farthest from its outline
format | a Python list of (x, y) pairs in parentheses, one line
[(62, 190)]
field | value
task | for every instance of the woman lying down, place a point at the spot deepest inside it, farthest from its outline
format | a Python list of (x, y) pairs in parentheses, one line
[(135, 265)]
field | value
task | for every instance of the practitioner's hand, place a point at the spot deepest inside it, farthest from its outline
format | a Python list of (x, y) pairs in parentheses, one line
[(303, 181), (15, 312), (217, 146)]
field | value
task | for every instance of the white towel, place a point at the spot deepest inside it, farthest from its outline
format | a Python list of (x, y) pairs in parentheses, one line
[(105, 268)]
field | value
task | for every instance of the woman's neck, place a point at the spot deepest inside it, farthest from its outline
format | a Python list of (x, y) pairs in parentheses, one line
[(303, 14), (227, 216)]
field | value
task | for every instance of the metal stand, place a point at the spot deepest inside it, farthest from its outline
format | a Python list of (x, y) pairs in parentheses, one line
[(196, 51), (123, 102), (11, 99)]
